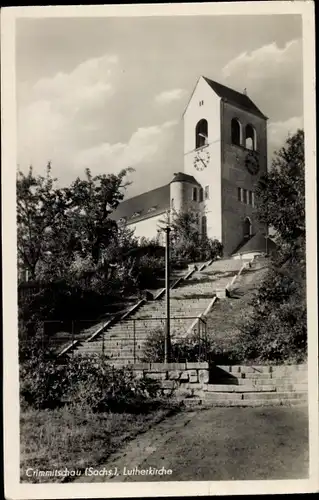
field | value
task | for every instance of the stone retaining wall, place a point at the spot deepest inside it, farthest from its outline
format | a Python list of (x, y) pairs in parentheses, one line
[(178, 378), (184, 380)]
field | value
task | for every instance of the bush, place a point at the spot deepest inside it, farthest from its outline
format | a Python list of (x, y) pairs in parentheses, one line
[(43, 382), (195, 251), (88, 382), (30, 340), (149, 269), (104, 388), (191, 348), (85, 298), (277, 329)]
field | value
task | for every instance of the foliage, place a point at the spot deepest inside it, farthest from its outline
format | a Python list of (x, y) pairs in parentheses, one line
[(61, 301), (93, 201), (40, 210), (149, 269), (104, 388), (281, 193), (43, 382), (72, 248), (192, 348), (187, 244), (30, 339), (277, 328), (56, 226), (91, 383)]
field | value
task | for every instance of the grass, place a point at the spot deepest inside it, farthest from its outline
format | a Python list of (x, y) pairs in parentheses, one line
[(223, 321), (74, 437)]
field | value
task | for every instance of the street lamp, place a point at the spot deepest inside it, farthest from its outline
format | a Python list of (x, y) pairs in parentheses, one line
[(167, 346), (167, 342)]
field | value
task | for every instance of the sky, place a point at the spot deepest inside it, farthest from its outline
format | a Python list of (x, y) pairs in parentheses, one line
[(109, 93)]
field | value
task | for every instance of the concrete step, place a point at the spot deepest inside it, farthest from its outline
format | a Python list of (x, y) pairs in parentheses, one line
[(272, 380), (252, 399), (255, 376), (275, 395), (228, 388), (222, 396), (280, 370), (253, 404), (236, 369)]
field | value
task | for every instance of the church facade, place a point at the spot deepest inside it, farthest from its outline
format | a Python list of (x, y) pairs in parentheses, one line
[(225, 153)]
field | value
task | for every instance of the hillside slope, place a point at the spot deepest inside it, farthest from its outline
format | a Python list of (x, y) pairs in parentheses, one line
[(223, 321)]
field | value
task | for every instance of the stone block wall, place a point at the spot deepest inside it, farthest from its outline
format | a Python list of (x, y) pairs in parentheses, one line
[(205, 382), (180, 379)]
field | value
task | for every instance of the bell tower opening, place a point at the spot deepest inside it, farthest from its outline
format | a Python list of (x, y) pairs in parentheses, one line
[(250, 138), (201, 133), (236, 132)]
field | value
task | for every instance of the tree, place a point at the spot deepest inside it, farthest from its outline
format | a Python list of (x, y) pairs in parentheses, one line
[(184, 228), (56, 226), (281, 192), (187, 242), (40, 211), (93, 201), (277, 327), (63, 234)]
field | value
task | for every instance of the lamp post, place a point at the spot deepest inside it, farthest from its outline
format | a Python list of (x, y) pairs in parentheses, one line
[(267, 228), (167, 346)]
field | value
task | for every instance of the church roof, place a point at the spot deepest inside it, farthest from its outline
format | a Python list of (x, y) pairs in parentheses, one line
[(144, 205), (181, 177), (256, 244), (234, 97)]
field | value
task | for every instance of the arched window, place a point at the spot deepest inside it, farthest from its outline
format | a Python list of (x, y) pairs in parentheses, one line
[(236, 135), (247, 227), (201, 133), (204, 226), (250, 138)]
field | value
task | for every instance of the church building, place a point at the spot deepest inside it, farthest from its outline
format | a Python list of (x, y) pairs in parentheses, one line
[(225, 153)]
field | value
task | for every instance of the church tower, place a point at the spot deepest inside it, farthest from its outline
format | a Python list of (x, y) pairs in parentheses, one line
[(225, 150)]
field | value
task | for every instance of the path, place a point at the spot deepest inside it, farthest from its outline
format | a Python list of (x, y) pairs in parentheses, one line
[(218, 444)]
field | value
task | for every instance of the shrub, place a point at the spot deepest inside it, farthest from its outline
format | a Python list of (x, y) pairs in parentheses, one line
[(43, 382), (30, 340), (88, 382), (104, 388), (194, 348), (67, 299), (191, 348), (148, 270), (276, 331)]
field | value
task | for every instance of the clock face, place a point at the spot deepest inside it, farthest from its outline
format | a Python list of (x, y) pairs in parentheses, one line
[(201, 160), (252, 163)]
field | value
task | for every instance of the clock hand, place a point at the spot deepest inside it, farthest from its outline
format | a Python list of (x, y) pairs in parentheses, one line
[(201, 159)]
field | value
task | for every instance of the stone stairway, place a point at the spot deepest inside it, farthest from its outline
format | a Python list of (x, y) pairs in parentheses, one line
[(123, 342), (252, 386), (225, 266)]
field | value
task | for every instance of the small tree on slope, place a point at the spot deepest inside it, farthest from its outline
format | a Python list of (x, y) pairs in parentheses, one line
[(277, 328)]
